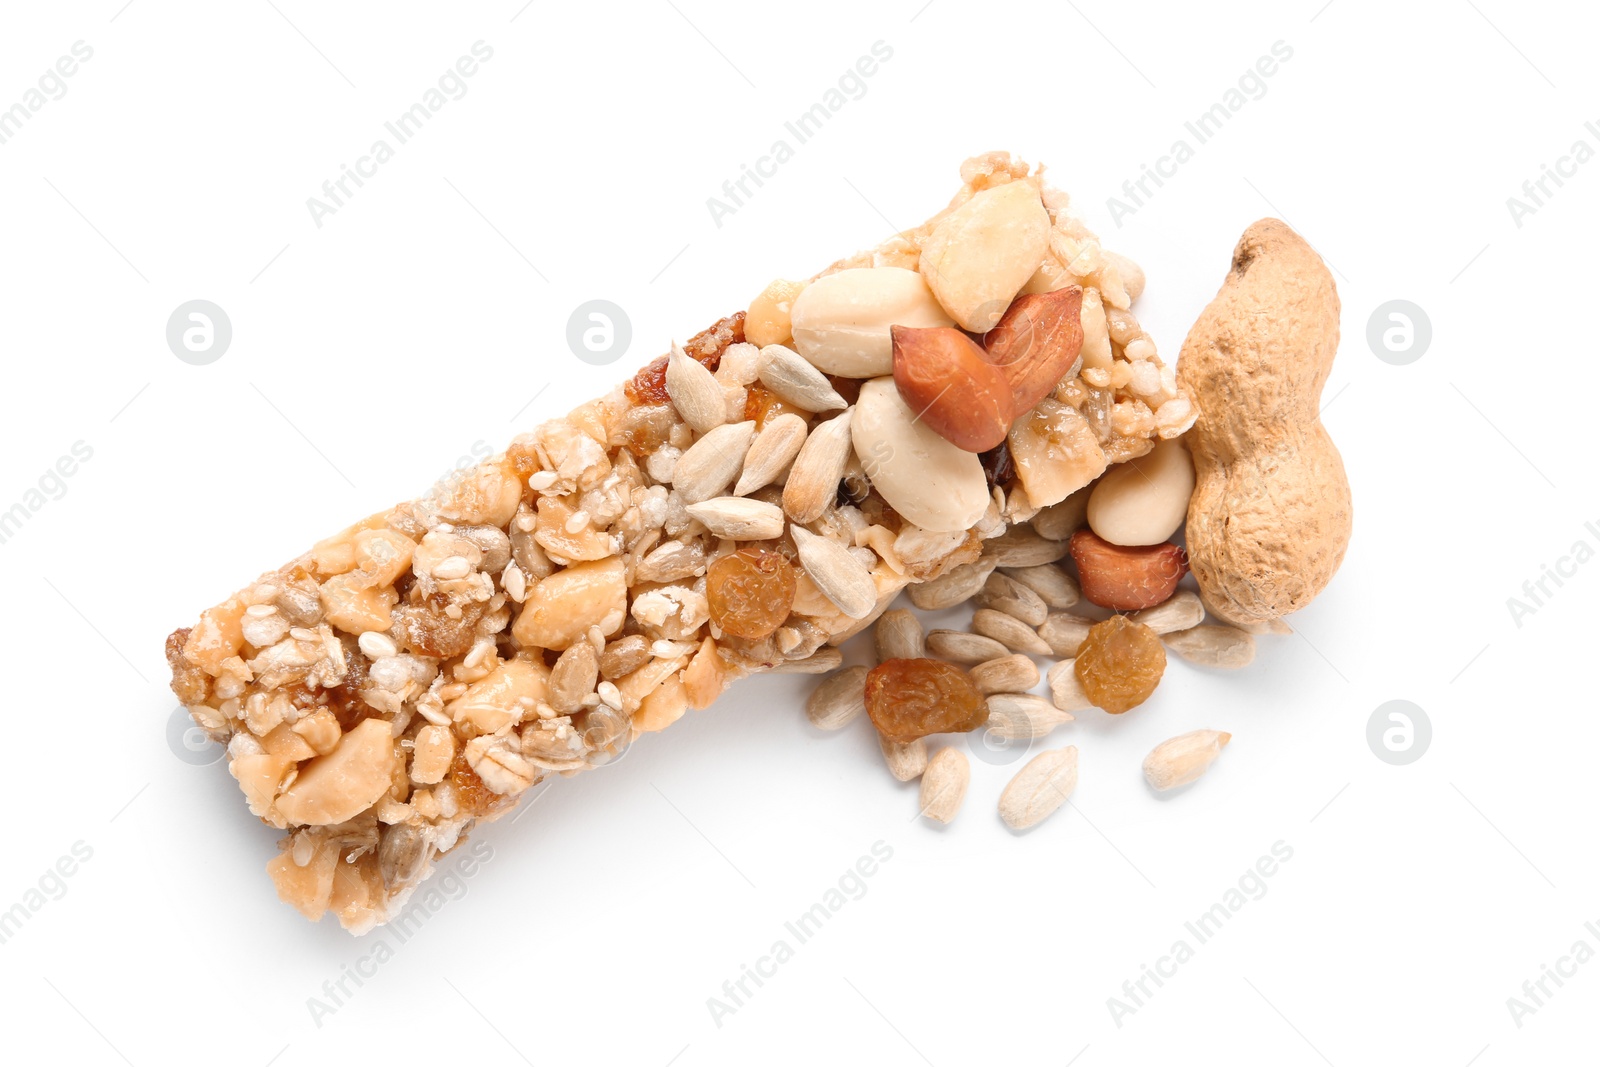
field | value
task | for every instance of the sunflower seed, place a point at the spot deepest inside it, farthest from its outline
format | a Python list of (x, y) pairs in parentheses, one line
[(839, 699), (1184, 758), (1003, 593), (814, 479), (1213, 646), (822, 661), (899, 636), (1181, 611), (774, 449), (1022, 716), (1066, 692), (958, 646), (739, 518), (1016, 635), (840, 576), (1008, 674), (793, 378), (710, 464), (955, 586), (1059, 521), (695, 392), (1064, 633), (1021, 546), (944, 785), (1055, 586), (905, 761), (574, 677), (1043, 785)]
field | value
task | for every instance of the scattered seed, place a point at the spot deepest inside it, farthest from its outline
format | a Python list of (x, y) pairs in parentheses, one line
[(959, 646), (1065, 634), (1181, 611), (905, 761), (838, 699), (944, 785), (1066, 692), (1052, 583), (1213, 646), (1043, 785), (1021, 546), (1016, 635), (822, 661), (1003, 593), (775, 447), (794, 379), (1023, 716), (1008, 674), (956, 586), (1184, 758), (899, 636)]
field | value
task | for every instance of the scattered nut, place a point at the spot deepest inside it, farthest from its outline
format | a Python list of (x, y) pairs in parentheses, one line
[(1143, 501), (1126, 578), (944, 378), (1270, 517)]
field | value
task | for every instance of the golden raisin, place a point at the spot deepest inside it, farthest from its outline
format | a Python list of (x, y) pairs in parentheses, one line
[(474, 797), (761, 404), (912, 698), (750, 592), (1120, 664)]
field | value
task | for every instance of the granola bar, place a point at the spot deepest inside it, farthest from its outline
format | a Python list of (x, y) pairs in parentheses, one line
[(741, 505)]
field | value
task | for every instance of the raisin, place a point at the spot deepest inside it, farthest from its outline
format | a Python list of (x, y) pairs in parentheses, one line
[(1120, 664), (750, 592), (912, 698), (649, 386), (761, 404), (474, 797), (424, 626), (997, 465)]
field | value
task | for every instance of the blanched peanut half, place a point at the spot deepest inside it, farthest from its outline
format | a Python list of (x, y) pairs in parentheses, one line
[(980, 255), (926, 479), (500, 698), (561, 608), (1055, 451), (841, 322), (1143, 501), (344, 783), (767, 321)]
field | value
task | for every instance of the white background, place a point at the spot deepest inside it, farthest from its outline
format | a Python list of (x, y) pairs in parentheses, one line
[(421, 318)]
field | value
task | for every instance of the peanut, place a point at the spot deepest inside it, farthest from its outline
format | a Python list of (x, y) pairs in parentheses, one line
[(1270, 517), (1123, 578)]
